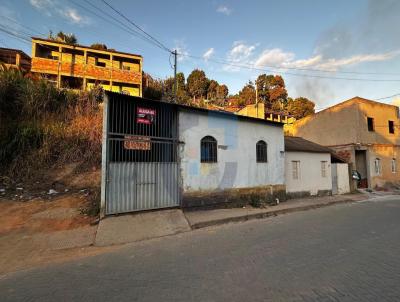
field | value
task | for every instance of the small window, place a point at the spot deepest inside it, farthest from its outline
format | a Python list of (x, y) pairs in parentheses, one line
[(370, 121), (296, 169), (261, 152), (391, 127), (323, 168), (208, 147), (378, 167), (394, 165)]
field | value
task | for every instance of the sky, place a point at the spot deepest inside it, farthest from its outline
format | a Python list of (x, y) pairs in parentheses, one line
[(327, 51)]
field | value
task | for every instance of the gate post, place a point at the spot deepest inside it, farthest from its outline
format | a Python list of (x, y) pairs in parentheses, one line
[(104, 157)]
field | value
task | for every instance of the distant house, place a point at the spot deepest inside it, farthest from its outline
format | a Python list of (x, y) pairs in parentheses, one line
[(15, 58), (312, 169), (365, 132), (82, 67)]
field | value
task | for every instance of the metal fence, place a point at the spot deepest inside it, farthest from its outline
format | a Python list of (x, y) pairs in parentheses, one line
[(141, 155)]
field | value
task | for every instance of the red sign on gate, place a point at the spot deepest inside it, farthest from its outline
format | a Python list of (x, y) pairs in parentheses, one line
[(145, 115)]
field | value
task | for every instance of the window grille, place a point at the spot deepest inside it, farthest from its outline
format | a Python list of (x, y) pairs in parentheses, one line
[(323, 168), (378, 167), (296, 169), (208, 147), (261, 152), (394, 165)]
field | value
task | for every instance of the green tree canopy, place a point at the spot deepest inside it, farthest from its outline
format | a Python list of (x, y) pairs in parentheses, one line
[(99, 46), (247, 95), (197, 84), (272, 91), (63, 37), (300, 107)]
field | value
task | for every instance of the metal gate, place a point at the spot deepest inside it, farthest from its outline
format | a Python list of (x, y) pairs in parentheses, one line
[(140, 150)]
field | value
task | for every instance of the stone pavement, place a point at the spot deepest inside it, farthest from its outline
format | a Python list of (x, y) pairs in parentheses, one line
[(345, 252), (204, 218)]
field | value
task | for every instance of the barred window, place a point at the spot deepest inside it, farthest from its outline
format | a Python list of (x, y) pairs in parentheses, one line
[(296, 169), (261, 152), (323, 168), (378, 167), (208, 146)]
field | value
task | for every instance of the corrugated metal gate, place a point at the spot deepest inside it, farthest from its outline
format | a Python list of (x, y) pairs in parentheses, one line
[(141, 154)]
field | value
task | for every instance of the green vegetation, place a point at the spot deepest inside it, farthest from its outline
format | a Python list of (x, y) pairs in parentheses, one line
[(42, 126)]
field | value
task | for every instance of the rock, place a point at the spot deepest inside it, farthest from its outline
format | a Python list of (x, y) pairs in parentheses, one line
[(52, 191), (20, 189), (2, 190)]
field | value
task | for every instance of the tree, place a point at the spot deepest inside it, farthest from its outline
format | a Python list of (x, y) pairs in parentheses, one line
[(197, 84), (300, 107), (222, 93), (63, 37), (212, 90), (99, 46), (247, 95), (152, 89), (272, 91)]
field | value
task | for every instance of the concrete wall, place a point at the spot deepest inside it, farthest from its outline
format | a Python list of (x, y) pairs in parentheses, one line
[(346, 123), (310, 179), (236, 166), (385, 153), (341, 173)]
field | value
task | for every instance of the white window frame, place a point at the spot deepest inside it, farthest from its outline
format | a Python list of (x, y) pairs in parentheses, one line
[(295, 169), (378, 166), (394, 165), (324, 163)]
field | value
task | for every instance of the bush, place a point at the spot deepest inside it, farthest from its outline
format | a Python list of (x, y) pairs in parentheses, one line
[(42, 126)]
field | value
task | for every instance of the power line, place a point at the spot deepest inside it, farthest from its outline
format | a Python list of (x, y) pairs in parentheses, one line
[(388, 97), (247, 66), (161, 45), (112, 20)]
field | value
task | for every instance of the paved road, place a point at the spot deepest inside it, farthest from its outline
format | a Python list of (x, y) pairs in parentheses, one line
[(341, 253)]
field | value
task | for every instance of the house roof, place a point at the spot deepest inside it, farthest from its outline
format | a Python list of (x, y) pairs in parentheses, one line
[(299, 144), (13, 50), (201, 110), (356, 99), (295, 143), (87, 47)]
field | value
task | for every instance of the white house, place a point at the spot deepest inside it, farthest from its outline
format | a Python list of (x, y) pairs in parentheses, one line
[(225, 157), (307, 168), (160, 155)]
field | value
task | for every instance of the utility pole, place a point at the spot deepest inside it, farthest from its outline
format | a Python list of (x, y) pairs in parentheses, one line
[(175, 53)]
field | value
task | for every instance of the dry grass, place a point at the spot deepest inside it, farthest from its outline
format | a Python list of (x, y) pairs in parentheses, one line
[(43, 127)]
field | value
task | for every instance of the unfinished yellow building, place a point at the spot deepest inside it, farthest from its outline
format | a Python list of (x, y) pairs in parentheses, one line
[(81, 67)]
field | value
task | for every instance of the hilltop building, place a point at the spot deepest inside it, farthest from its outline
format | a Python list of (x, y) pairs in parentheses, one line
[(82, 67)]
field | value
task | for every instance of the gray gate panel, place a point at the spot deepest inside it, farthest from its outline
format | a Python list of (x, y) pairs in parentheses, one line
[(141, 186)]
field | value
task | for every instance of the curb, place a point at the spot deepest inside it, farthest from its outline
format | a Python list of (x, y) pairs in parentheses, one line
[(247, 217)]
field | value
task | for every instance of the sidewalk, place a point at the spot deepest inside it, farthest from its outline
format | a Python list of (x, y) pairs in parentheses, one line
[(204, 218)]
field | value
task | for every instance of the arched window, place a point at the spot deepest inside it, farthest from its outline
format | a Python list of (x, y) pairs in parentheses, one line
[(208, 146), (261, 152)]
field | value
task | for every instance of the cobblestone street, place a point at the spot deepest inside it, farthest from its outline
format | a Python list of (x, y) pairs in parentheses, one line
[(347, 252)]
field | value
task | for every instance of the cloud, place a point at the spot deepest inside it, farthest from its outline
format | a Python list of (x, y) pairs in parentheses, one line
[(240, 53), (276, 57), (208, 54), (55, 8), (73, 16), (46, 6), (181, 48), (223, 9), (375, 29)]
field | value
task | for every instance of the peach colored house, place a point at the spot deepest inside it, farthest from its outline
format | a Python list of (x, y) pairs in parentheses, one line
[(365, 132)]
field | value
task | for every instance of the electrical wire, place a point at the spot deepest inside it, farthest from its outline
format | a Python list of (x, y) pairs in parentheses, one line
[(247, 66), (161, 45)]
